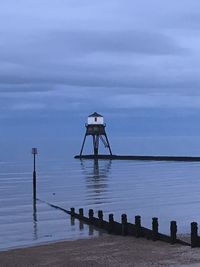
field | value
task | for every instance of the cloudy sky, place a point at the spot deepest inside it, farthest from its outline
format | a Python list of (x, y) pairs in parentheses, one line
[(135, 61)]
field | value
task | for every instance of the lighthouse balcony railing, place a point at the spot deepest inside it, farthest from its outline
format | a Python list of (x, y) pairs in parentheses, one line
[(93, 124)]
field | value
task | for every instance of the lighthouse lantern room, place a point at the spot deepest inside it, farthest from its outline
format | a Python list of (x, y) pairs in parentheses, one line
[(96, 128), (95, 118)]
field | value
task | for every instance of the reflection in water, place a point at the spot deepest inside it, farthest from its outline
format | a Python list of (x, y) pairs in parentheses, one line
[(96, 179), (165, 190), (81, 225), (35, 236), (72, 221), (91, 228)]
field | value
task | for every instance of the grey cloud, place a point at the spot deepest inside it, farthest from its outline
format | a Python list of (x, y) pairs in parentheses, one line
[(140, 42), (154, 101), (95, 76), (68, 45), (92, 53), (188, 21)]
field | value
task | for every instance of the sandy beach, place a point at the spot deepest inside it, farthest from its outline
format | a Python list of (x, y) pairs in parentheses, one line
[(106, 250)]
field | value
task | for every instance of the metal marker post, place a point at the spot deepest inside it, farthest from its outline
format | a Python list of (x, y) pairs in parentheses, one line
[(34, 152)]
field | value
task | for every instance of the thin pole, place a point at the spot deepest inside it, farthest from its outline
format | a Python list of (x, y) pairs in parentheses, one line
[(34, 162), (96, 144), (34, 219), (34, 177), (108, 144), (83, 145)]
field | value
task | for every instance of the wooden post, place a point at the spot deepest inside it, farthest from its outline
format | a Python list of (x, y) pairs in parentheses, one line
[(91, 215), (81, 213), (138, 226), (124, 224), (111, 223), (72, 216), (155, 229), (194, 235), (100, 216), (173, 232), (72, 211)]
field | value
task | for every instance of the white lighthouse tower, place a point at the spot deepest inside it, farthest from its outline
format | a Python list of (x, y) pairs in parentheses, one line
[(95, 127)]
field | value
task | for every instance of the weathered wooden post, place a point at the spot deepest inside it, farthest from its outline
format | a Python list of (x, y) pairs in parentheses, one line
[(81, 226), (91, 215), (173, 232), (81, 213), (100, 216), (110, 223), (138, 226), (124, 224), (72, 211), (194, 234), (155, 229), (72, 216)]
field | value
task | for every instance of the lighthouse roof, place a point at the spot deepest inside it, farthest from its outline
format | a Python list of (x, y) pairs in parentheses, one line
[(95, 114)]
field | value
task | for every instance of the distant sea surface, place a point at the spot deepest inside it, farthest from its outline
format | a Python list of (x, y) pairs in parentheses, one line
[(167, 190)]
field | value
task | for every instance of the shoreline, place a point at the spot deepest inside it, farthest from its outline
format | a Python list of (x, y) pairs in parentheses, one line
[(46, 243), (105, 250)]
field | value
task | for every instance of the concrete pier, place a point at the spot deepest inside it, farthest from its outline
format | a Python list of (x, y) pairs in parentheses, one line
[(138, 157)]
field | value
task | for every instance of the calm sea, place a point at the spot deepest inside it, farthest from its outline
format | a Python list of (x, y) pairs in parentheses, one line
[(167, 190)]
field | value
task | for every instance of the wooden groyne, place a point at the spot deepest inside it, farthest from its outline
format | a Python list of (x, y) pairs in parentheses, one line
[(135, 229), (148, 158)]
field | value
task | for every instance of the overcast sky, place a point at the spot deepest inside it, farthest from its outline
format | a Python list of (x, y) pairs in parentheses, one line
[(64, 59)]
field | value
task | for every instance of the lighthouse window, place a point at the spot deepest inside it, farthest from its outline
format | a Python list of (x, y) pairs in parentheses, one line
[(95, 119)]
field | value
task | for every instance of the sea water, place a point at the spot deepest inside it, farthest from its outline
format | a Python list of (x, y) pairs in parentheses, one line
[(167, 190)]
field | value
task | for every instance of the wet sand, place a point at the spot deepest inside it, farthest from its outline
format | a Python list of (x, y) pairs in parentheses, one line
[(106, 250)]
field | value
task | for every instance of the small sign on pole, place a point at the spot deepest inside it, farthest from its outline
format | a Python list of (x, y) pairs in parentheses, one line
[(34, 151)]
